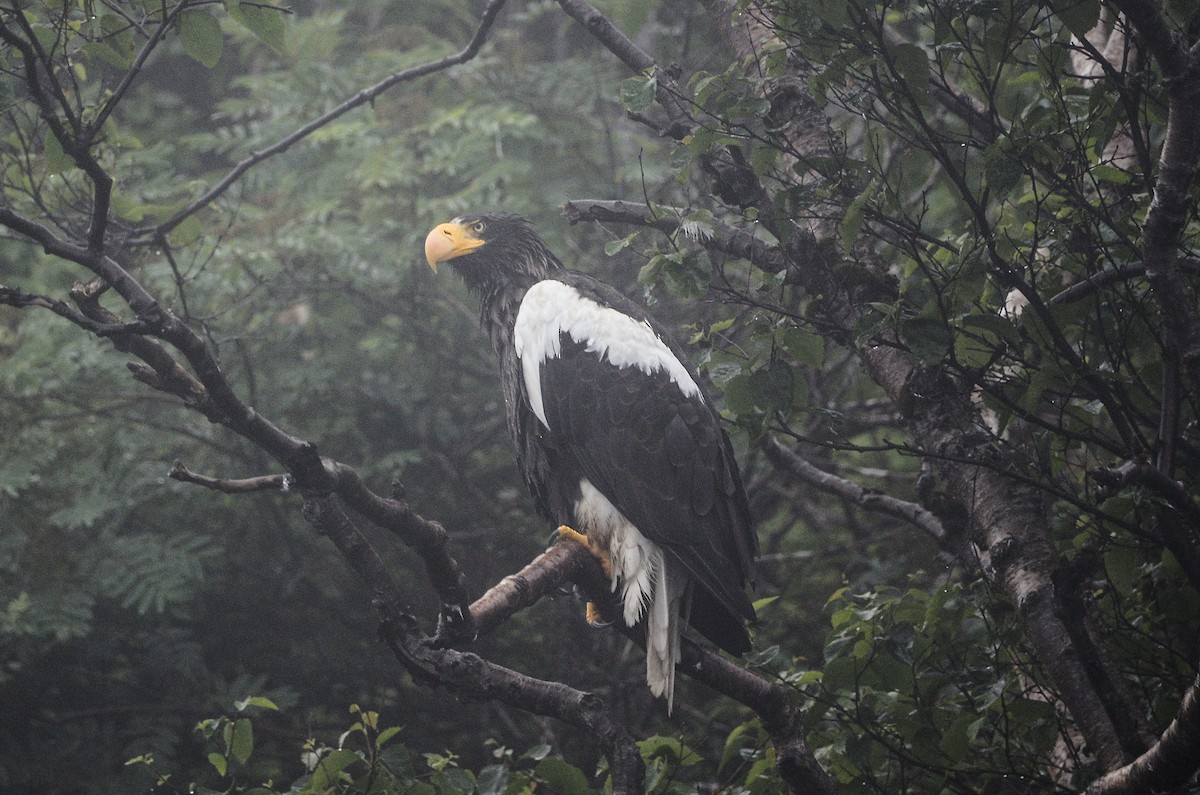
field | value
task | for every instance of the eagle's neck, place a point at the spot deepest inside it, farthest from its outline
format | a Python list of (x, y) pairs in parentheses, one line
[(501, 289), (498, 314)]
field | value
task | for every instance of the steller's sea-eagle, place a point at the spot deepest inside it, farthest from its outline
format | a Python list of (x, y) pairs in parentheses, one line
[(614, 436)]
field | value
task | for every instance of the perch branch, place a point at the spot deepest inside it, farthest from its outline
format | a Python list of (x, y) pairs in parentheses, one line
[(427, 538), (465, 673), (563, 562)]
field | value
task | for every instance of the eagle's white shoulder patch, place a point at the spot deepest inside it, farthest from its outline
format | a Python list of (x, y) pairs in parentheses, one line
[(551, 308)]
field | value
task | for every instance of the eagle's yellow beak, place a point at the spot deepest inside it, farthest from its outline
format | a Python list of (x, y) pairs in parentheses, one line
[(449, 240)]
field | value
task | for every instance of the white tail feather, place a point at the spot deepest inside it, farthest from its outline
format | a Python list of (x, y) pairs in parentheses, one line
[(662, 631), (634, 563)]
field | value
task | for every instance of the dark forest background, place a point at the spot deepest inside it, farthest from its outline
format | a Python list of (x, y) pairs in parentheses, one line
[(937, 261)]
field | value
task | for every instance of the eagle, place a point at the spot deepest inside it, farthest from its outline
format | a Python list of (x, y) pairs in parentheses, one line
[(615, 437)]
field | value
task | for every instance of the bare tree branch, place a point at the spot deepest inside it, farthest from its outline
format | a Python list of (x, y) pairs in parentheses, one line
[(20, 299), (1110, 276), (871, 500), (237, 486), (615, 41), (725, 238)]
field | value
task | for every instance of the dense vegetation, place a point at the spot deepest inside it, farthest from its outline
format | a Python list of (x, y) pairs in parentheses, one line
[(936, 259)]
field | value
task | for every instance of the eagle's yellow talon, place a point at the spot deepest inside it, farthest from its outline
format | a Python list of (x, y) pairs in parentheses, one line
[(571, 534), (594, 617)]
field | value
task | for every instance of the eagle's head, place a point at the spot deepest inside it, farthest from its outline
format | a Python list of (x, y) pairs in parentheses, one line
[(487, 249)]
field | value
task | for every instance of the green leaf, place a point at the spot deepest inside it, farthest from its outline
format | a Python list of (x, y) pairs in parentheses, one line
[(669, 748), (637, 93), (561, 776), (57, 161), (733, 745), (851, 221), (241, 742), (537, 753), (1111, 174), (834, 13), (188, 231), (913, 66), (200, 35), (386, 735), (955, 742), (266, 23), (759, 604), (1121, 564), (802, 345), (262, 702), (457, 780), (773, 386), (927, 337), (329, 770), (219, 762), (1000, 168), (614, 246), (998, 325), (1080, 16)]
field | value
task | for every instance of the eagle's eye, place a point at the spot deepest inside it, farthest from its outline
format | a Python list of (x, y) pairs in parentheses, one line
[(478, 227)]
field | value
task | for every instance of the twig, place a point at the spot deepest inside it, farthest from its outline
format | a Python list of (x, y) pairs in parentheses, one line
[(869, 499), (133, 71), (20, 299), (241, 486), (1136, 473), (1108, 276)]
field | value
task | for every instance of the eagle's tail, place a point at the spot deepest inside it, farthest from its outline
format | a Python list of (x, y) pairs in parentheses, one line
[(664, 621), (652, 586)]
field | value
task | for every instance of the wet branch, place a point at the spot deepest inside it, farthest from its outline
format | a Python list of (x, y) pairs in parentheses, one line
[(227, 486), (789, 461), (1168, 764)]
